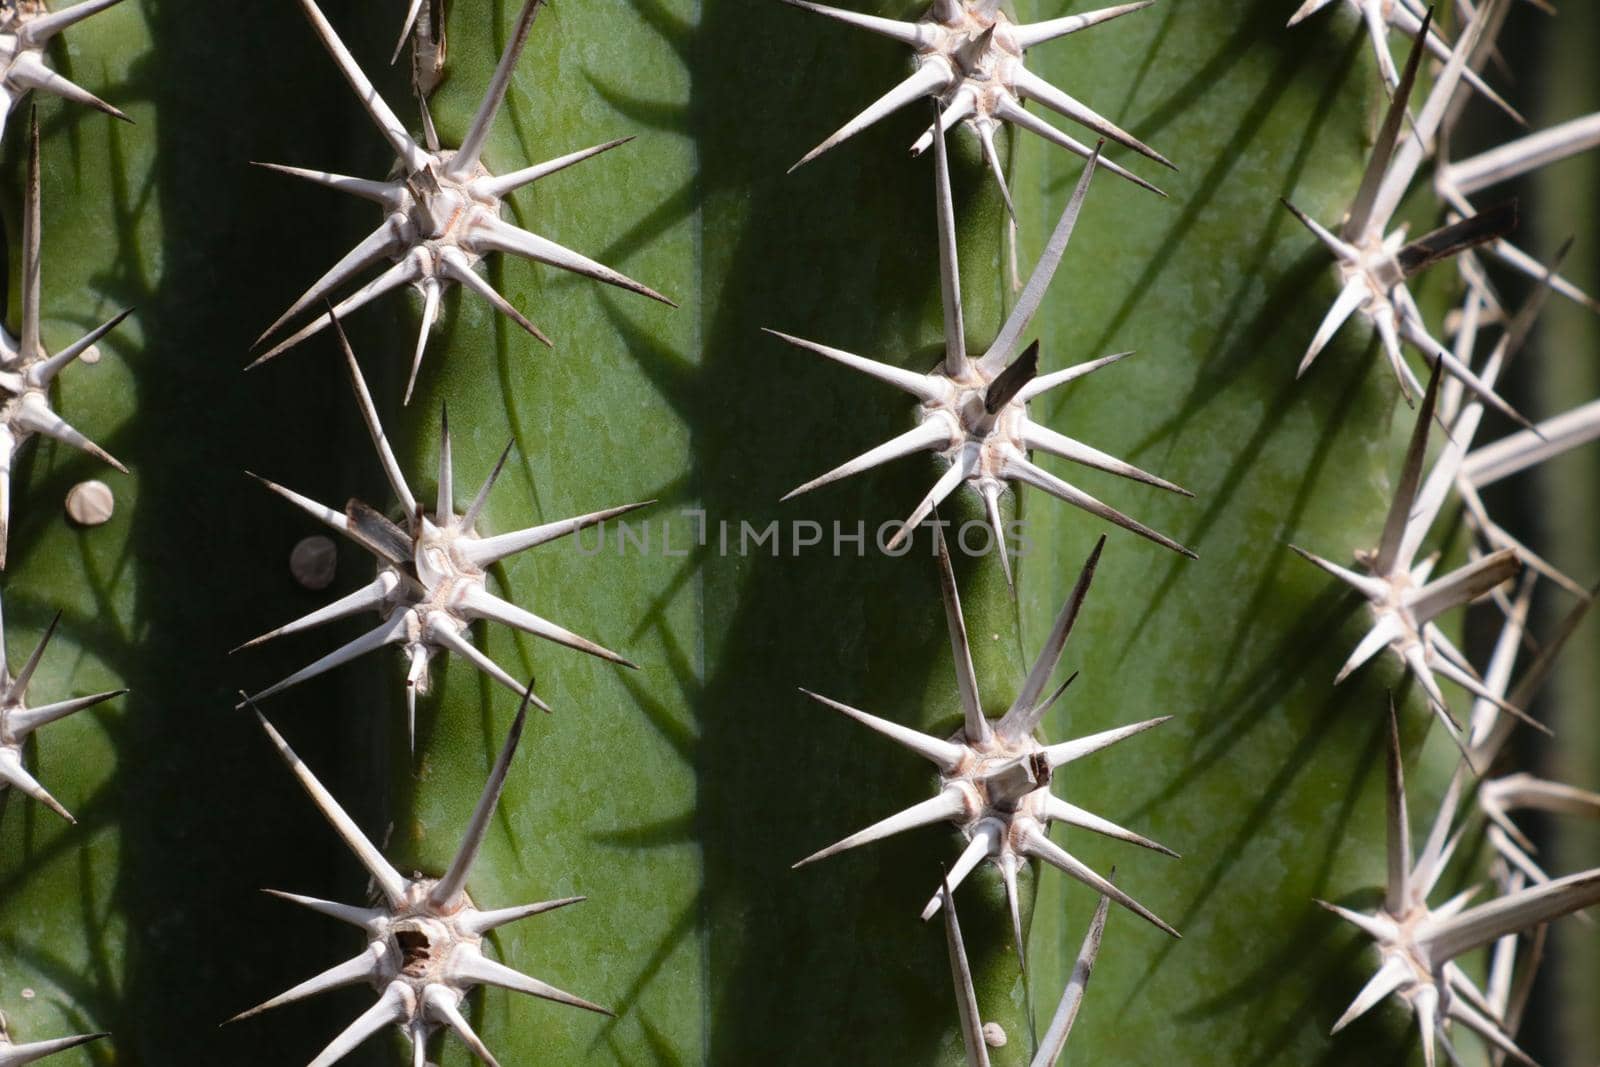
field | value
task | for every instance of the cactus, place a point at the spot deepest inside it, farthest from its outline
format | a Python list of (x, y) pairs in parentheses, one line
[(675, 776)]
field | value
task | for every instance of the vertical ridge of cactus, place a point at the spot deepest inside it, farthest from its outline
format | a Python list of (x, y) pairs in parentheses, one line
[(676, 797)]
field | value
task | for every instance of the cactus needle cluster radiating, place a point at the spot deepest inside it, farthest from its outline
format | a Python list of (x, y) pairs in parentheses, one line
[(974, 410), (425, 936), (442, 215), (970, 58), (994, 776), (431, 584)]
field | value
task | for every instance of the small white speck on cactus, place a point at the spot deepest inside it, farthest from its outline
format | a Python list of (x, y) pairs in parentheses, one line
[(994, 777), (970, 60), (425, 936), (442, 215), (27, 370), (1419, 945), (432, 582), (26, 29), (974, 411), (18, 721), (15, 1055), (91, 503)]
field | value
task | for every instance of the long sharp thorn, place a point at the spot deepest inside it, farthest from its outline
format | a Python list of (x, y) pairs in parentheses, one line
[(1391, 976), (1523, 910), (470, 517), (505, 184), (19, 686), (1349, 300), (1043, 438), (955, 341), (450, 888), (387, 878), (491, 550), (443, 1004), (445, 505), (1037, 33), (484, 921), (942, 754), (1405, 494), (34, 413), (1037, 843), (28, 343), (976, 726), (488, 972), (907, 33), (372, 248), (947, 806), (430, 311), (918, 385), (33, 1051), (1019, 467), (456, 267), (39, 29), (1019, 720), (1011, 381), (405, 31), (1449, 241), (362, 968), (1065, 752), (932, 77), (1397, 887), (390, 1008), (369, 415), (389, 125), (1054, 1042), (45, 370), (961, 974), (1034, 87), (478, 603), (959, 471), (1361, 210), (1027, 120), (29, 70), (402, 273), (985, 843), (1028, 304), (1061, 811), (503, 237), (930, 435)]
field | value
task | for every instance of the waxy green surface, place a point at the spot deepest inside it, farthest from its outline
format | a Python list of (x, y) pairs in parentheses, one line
[(677, 796)]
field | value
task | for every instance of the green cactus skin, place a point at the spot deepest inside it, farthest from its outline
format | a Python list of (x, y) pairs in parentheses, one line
[(677, 797)]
